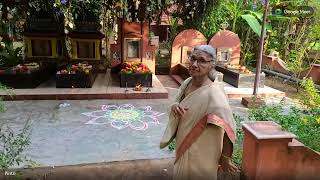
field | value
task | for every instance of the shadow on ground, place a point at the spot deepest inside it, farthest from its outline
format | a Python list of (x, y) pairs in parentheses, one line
[(158, 169)]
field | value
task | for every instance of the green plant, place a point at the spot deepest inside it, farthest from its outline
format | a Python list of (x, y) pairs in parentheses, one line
[(12, 146), (310, 97), (295, 37), (9, 92), (304, 124), (237, 148), (211, 23), (10, 55), (174, 25), (82, 10), (247, 24), (296, 63)]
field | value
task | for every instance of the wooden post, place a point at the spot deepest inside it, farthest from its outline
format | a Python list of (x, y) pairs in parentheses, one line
[(258, 66)]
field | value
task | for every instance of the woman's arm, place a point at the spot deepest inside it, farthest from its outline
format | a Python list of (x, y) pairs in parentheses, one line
[(227, 146), (226, 156)]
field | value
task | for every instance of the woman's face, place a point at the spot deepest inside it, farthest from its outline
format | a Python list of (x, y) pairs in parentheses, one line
[(200, 63)]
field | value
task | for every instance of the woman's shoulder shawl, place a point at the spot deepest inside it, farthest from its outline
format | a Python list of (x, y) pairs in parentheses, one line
[(182, 88), (173, 122), (219, 111)]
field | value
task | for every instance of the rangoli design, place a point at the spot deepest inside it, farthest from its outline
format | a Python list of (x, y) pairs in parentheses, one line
[(124, 116)]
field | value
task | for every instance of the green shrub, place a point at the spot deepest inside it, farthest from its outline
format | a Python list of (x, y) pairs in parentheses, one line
[(10, 55), (12, 147), (237, 149), (304, 124), (12, 144), (310, 97)]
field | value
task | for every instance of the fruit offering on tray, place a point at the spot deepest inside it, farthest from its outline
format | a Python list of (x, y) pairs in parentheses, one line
[(27, 67), (130, 68), (76, 68), (21, 68), (242, 69), (232, 66)]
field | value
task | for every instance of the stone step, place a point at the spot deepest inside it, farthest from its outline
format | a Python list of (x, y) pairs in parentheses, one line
[(178, 79)]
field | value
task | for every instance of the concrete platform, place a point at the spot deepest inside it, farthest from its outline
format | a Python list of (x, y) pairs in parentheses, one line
[(233, 92), (266, 91), (104, 87)]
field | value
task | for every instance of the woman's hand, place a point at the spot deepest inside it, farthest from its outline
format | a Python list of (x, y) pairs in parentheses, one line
[(227, 165), (179, 110)]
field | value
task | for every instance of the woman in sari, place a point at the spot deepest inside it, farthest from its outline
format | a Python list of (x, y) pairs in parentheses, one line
[(201, 122)]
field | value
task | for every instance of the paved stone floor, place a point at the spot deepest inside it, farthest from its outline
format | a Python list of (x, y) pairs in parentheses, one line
[(81, 131)]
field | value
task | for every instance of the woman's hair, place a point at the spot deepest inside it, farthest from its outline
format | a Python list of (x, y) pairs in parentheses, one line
[(209, 50), (213, 74)]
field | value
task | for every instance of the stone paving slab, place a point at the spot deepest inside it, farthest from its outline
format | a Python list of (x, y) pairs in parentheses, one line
[(61, 134)]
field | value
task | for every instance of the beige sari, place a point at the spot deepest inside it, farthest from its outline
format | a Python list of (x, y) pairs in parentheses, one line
[(199, 133)]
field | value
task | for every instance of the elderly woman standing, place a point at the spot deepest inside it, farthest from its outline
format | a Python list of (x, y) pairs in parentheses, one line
[(201, 121)]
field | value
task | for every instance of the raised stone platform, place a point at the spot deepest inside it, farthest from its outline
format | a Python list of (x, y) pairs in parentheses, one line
[(233, 92), (238, 79), (104, 87)]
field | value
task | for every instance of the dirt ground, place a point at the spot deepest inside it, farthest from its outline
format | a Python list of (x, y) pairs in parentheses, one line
[(282, 85)]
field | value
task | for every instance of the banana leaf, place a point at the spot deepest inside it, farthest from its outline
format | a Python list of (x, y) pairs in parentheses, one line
[(256, 14), (253, 23)]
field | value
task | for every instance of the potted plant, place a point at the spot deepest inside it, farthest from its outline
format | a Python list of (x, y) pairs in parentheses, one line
[(133, 74), (76, 76)]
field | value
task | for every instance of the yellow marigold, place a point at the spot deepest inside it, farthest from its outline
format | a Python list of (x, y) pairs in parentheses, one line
[(318, 120), (305, 120)]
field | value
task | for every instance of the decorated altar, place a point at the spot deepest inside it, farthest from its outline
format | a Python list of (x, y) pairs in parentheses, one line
[(135, 75), (23, 76), (76, 76)]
